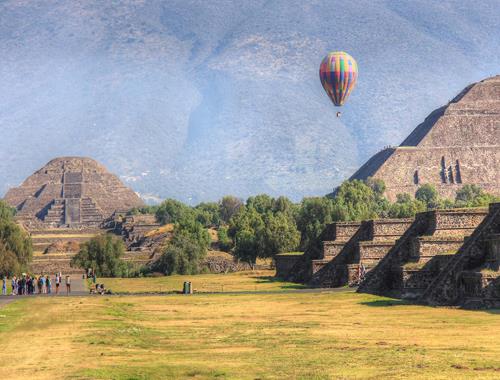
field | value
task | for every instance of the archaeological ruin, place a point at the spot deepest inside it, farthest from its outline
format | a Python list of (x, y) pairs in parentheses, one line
[(457, 144), (64, 204), (442, 257), (71, 192)]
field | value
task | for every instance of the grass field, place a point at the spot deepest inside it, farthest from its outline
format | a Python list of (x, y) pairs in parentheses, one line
[(252, 336), (262, 280)]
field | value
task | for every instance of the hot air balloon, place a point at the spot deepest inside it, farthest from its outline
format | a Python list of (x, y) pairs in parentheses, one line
[(338, 74)]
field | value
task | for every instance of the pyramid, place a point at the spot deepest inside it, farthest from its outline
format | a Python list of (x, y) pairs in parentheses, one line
[(457, 144), (71, 192)]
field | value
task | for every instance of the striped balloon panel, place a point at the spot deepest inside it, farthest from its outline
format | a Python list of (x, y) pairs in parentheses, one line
[(338, 74)]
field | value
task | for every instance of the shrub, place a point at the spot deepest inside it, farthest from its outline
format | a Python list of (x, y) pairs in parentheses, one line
[(103, 254)]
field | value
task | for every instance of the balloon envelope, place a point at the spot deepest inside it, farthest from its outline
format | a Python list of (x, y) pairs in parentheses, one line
[(338, 74)]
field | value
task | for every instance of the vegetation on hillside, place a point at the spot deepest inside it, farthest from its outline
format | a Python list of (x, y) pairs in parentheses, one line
[(16, 249)]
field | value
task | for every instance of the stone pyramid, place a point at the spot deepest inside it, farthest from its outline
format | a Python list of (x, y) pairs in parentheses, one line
[(71, 192), (457, 144)]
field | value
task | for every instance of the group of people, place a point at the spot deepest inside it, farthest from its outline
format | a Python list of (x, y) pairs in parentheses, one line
[(27, 284)]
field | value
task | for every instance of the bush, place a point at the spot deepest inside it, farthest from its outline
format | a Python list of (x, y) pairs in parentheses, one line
[(103, 254), (428, 195), (184, 253), (473, 196)]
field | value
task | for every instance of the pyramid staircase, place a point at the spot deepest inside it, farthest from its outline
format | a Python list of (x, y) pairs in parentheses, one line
[(420, 255), (356, 246), (471, 278)]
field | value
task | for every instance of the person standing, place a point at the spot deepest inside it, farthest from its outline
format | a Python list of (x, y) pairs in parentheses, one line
[(58, 281), (14, 286), (4, 286), (68, 285), (49, 284)]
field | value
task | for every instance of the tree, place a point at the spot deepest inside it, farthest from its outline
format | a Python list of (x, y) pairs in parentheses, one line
[(473, 196), (406, 207), (354, 200), (280, 234), (16, 249), (262, 203), (103, 254), (225, 242), (228, 207), (428, 194), (184, 253), (208, 214), (172, 211), (314, 214)]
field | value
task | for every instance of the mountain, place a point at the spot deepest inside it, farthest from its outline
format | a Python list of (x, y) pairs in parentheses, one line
[(196, 99)]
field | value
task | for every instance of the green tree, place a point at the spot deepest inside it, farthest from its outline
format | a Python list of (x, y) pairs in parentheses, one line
[(355, 200), (225, 242), (246, 228), (406, 207), (280, 234), (262, 203), (314, 214), (16, 249), (208, 214), (185, 251), (228, 207), (173, 211), (102, 253), (428, 194), (473, 196)]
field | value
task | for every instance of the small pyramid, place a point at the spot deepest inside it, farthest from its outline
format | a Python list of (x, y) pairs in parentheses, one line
[(456, 144), (71, 192)]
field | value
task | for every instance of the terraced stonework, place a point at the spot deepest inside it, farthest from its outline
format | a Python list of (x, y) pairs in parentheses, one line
[(423, 252), (74, 192), (457, 144)]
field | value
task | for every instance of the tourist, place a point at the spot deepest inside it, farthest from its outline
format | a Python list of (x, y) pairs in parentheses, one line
[(44, 285), (58, 281), (94, 277), (68, 285), (14, 285), (39, 285), (29, 284), (23, 284), (4, 286), (49, 284)]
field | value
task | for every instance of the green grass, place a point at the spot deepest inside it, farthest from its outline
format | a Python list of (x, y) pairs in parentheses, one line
[(252, 336), (259, 280), (291, 254)]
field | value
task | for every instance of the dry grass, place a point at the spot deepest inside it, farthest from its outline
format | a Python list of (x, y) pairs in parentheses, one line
[(160, 230), (265, 336), (261, 280)]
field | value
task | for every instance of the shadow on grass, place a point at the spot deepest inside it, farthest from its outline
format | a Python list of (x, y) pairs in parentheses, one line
[(386, 303), (271, 279)]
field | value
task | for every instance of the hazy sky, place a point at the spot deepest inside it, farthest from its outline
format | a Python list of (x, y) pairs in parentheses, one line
[(196, 99)]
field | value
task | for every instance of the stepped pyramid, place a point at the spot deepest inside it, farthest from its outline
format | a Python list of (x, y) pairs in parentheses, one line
[(70, 192), (457, 144)]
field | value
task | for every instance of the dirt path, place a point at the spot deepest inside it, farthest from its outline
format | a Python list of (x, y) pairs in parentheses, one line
[(4, 301)]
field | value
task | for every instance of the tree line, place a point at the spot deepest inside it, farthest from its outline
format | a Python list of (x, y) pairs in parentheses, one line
[(264, 226), (260, 227)]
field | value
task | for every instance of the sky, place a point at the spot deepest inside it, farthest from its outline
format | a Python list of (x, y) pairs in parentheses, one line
[(197, 99)]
